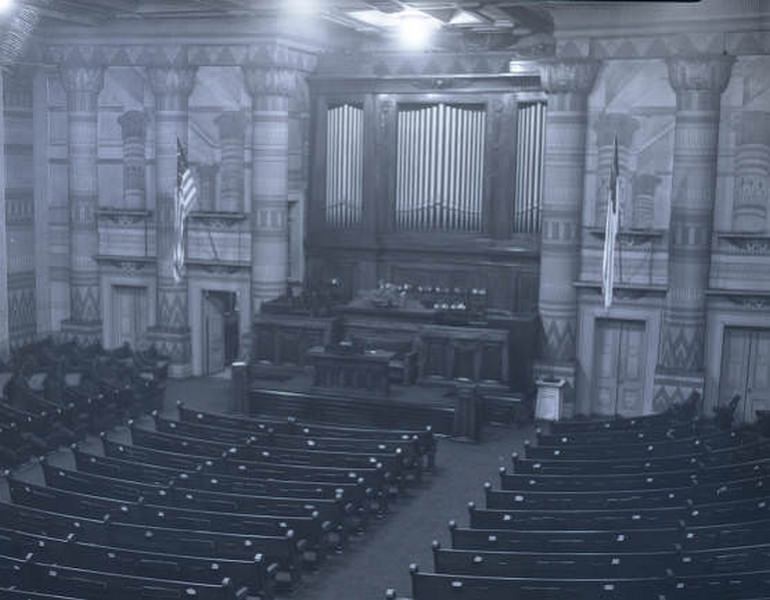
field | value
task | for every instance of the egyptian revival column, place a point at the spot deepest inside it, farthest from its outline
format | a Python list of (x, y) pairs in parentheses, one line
[(698, 82), (83, 81), (231, 135), (568, 83), (4, 325), (172, 86), (752, 167), (270, 80), (133, 125)]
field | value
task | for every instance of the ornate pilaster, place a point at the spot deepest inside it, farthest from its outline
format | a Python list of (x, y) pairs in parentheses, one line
[(172, 85), (270, 79), (231, 135), (698, 82), (133, 125), (568, 83), (611, 126), (299, 172), (83, 80), (4, 326), (752, 167), (643, 212)]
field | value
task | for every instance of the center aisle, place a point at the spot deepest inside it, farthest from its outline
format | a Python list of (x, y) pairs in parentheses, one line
[(379, 559)]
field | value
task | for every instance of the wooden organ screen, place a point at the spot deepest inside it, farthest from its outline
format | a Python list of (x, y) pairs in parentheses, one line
[(530, 140), (344, 166), (440, 167)]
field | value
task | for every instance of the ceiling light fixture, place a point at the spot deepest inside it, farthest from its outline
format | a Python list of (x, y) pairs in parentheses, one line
[(415, 30), (5, 5)]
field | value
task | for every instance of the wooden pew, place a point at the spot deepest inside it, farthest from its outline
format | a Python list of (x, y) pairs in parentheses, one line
[(596, 540), (425, 439), (90, 584), (255, 574), (226, 465), (108, 532), (406, 450)]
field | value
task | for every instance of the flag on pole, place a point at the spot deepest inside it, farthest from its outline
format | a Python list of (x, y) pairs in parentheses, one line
[(611, 229), (186, 194)]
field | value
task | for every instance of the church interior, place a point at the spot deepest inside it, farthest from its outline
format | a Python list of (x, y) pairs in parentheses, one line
[(286, 286)]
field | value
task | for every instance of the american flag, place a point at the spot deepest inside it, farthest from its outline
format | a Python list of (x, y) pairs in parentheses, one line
[(611, 230), (186, 194)]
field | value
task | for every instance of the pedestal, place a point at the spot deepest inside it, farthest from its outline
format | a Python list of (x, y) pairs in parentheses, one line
[(550, 399)]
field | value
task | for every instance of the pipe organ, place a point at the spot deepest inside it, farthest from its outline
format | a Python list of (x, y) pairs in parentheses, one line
[(440, 167), (344, 165), (432, 183), (529, 167)]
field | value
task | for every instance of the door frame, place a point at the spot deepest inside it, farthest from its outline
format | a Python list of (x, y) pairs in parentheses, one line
[(587, 322), (195, 290), (108, 283), (717, 321)]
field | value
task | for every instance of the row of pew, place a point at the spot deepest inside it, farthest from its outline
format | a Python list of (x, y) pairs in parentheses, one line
[(205, 505), (53, 394), (661, 507)]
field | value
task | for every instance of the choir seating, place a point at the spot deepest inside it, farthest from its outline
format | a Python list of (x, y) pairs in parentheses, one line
[(667, 507), (207, 505)]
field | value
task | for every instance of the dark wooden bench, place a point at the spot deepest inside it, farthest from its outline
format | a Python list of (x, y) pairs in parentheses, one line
[(255, 574), (90, 584)]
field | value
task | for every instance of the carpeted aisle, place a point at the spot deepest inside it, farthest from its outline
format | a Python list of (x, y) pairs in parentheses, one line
[(379, 559)]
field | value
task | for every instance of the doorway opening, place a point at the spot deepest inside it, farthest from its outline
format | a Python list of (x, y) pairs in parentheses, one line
[(745, 370), (619, 368), (221, 319)]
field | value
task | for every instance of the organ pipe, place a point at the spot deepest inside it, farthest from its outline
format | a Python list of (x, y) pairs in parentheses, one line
[(344, 166), (529, 167), (440, 167)]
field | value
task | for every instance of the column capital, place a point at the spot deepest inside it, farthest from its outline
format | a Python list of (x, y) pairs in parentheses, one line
[(610, 125), (133, 123), (569, 75), (82, 78), (700, 73), (266, 80), (232, 125), (171, 81)]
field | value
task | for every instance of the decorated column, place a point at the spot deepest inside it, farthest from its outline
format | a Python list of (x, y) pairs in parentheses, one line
[(4, 328), (133, 125), (644, 186), (172, 85), (231, 135), (568, 82), (270, 80), (752, 167), (299, 158), (698, 82), (611, 126), (83, 79)]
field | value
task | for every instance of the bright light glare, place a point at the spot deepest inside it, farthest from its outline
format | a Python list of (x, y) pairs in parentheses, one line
[(299, 7), (5, 5), (415, 30)]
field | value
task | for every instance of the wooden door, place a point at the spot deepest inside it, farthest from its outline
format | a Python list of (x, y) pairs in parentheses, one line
[(619, 367), (213, 334), (129, 315), (746, 370)]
